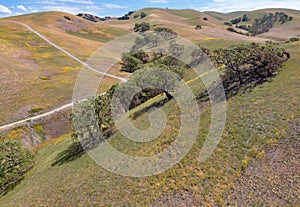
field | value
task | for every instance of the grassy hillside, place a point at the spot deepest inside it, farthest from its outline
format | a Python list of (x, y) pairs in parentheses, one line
[(35, 75), (255, 120), (277, 32), (53, 74)]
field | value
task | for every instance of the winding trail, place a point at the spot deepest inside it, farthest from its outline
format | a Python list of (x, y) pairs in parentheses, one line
[(64, 107), (69, 105), (70, 55)]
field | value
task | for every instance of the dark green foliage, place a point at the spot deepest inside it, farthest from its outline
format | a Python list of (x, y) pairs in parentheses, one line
[(163, 29), (130, 13), (161, 34), (165, 33), (172, 64), (91, 132), (123, 18), (15, 162), (261, 25), (198, 26), (245, 18), (265, 23), (228, 23), (130, 64), (67, 18), (126, 16), (244, 27), (164, 71), (248, 65), (136, 16), (236, 21), (160, 79), (143, 15), (90, 17), (230, 29), (293, 39), (133, 60), (35, 110), (93, 123), (141, 27)]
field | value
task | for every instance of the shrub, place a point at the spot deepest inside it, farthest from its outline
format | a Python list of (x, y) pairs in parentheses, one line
[(244, 27), (165, 33), (294, 39), (205, 19), (198, 26), (236, 21), (143, 15), (228, 23), (245, 18), (35, 110), (141, 27), (230, 29), (67, 18), (123, 18)]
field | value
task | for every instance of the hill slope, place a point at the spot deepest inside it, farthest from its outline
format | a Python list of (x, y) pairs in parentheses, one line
[(255, 120), (37, 75), (28, 53)]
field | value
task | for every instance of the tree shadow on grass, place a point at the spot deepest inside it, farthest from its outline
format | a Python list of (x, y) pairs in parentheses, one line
[(74, 151), (79, 148)]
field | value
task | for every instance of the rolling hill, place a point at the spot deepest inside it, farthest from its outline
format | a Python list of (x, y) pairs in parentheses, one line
[(262, 124)]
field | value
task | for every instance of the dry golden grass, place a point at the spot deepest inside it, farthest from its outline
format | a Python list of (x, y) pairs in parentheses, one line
[(38, 75), (34, 74)]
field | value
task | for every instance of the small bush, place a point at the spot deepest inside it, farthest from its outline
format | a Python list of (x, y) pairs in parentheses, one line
[(230, 29), (198, 26), (35, 110), (294, 39), (228, 23), (245, 18), (141, 27), (67, 18), (143, 15), (236, 21)]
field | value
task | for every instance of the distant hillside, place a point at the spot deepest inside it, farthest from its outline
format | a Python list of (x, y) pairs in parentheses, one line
[(275, 31), (53, 71), (48, 75)]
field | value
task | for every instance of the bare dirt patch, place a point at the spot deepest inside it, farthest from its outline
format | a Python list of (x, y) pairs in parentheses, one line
[(275, 179), (177, 199), (57, 125)]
